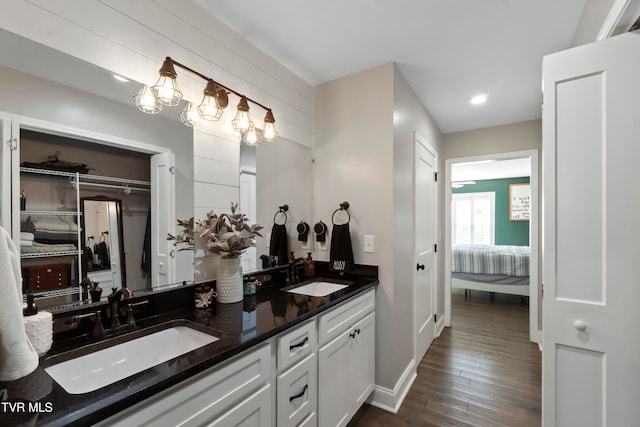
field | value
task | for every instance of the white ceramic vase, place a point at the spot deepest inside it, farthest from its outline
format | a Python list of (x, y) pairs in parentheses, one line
[(229, 281)]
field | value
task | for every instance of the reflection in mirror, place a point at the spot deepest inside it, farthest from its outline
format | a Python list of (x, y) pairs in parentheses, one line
[(92, 115), (103, 255)]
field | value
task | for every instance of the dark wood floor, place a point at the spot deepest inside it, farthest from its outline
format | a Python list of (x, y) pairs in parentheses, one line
[(483, 371)]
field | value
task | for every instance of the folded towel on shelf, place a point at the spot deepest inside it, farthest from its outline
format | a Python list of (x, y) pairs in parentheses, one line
[(341, 253), (26, 243), (279, 244), (54, 223), (27, 236), (45, 248), (17, 356)]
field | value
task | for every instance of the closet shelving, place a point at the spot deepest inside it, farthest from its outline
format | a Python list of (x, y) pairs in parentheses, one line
[(76, 181)]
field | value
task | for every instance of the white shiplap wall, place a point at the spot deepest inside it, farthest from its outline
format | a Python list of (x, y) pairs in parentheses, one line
[(132, 38)]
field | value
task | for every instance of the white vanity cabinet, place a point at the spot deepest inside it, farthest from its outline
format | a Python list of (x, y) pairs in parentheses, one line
[(238, 393), (316, 373), (346, 359), (297, 381)]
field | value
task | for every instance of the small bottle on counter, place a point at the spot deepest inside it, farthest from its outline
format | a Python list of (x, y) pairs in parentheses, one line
[(309, 266)]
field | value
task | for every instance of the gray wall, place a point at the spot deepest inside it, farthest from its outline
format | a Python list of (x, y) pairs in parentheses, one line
[(364, 127)]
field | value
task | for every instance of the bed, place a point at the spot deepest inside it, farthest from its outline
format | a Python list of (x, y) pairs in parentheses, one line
[(491, 268)]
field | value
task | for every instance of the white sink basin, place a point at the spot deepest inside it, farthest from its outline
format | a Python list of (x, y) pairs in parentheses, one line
[(101, 368), (317, 289)]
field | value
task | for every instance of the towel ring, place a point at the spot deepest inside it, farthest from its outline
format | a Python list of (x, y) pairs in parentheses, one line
[(281, 210), (344, 206)]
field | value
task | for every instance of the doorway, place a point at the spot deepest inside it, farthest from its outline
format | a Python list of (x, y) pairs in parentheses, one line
[(533, 290)]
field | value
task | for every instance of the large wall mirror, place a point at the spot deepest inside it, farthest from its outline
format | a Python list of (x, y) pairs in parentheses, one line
[(91, 111), (103, 256), (88, 97)]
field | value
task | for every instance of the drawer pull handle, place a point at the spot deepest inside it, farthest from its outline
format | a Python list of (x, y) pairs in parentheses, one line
[(299, 395), (300, 344)]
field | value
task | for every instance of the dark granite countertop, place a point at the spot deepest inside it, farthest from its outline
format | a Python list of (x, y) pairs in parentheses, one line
[(257, 318)]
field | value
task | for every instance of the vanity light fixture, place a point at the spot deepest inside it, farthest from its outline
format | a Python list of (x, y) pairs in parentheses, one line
[(215, 99), (146, 101), (188, 117), (242, 121)]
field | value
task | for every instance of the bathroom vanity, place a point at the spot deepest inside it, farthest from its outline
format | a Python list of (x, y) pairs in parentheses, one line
[(279, 358)]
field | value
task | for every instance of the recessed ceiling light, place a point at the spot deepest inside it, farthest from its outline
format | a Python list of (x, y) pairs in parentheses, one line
[(120, 78), (479, 99)]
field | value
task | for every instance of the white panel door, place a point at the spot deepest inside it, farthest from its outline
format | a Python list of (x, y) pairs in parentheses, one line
[(6, 174), (163, 219), (425, 240), (591, 122)]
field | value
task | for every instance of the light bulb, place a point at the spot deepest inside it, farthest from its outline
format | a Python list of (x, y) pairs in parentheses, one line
[(252, 137), (269, 132), (242, 121), (189, 117), (146, 101)]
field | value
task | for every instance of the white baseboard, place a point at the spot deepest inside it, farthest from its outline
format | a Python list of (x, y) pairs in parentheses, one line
[(439, 326), (540, 340), (391, 400)]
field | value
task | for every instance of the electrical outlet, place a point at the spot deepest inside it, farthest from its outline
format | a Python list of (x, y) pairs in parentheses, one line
[(368, 243)]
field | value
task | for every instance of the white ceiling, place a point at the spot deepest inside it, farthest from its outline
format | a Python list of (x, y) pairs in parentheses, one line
[(491, 169), (447, 50)]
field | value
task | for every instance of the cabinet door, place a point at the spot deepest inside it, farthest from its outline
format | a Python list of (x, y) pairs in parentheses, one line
[(334, 405), (254, 411), (362, 361)]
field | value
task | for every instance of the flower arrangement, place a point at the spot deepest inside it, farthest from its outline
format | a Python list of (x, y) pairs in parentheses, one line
[(227, 235)]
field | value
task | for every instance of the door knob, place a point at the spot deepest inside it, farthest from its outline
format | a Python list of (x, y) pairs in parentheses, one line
[(580, 325), (420, 266)]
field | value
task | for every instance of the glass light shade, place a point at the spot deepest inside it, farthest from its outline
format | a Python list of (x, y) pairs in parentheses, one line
[(269, 132), (189, 117), (252, 137), (242, 121), (209, 109), (146, 101), (166, 91)]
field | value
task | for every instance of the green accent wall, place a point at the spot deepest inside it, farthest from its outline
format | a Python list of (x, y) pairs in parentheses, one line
[(507, 232)]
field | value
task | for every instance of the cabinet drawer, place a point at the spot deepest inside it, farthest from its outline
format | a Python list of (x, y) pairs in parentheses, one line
[(44, 277), (297, 390), (203, 397), (295, 345), (254, 411), (339, 319)]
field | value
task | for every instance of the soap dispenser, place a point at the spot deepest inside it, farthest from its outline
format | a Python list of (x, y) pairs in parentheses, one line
[(309, 266)]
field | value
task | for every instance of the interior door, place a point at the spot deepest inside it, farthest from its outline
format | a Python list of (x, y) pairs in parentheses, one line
[(6, 172), (425, 219), (163, 219), (591, 121)]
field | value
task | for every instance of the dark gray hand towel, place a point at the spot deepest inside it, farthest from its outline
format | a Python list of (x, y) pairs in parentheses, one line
[(341, 254), (279, 245)]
